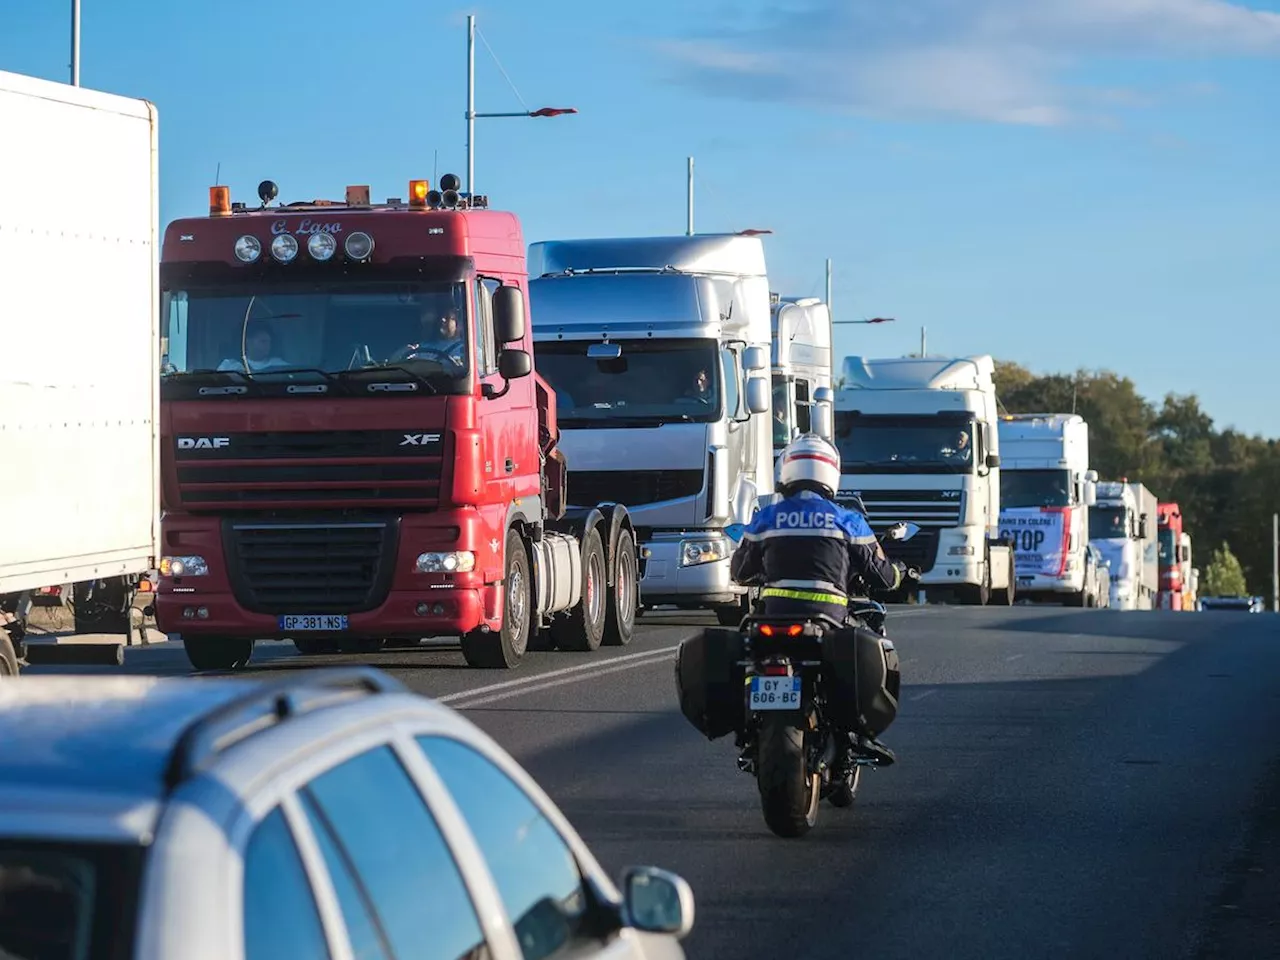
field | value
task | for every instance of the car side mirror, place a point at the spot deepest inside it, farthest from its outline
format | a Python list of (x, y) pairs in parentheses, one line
[(657, 901), (508, 314)]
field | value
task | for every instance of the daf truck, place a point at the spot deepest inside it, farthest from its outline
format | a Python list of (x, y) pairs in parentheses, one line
[(801, 367), (1173, 582), (356, 446), (919, 441), (1046, 489), (1122, 525), (79, 401), (657, 349)]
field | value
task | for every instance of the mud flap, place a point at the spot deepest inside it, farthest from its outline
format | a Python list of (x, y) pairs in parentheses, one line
[(709, 682), (863, 680)]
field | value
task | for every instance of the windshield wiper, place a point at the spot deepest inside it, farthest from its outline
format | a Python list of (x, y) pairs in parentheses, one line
[(380, 367)]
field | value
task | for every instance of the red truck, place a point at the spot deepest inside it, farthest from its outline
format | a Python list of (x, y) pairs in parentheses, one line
[(355, 446), (1169, 519)]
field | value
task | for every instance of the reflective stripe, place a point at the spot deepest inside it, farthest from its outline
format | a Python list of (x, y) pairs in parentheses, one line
[(834, 533), (812, 596), (824, 585)]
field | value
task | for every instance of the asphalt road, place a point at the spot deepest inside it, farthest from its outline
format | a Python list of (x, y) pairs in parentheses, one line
[(1071, 783)]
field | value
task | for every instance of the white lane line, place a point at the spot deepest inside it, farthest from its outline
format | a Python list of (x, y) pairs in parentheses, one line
[(562, 671), (507, 695), (923, 694), (1012, 657)]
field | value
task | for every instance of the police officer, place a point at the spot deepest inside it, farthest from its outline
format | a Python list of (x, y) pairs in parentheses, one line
[(806, 549)]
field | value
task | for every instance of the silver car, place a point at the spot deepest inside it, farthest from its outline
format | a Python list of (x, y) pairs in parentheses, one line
[(331, 815)]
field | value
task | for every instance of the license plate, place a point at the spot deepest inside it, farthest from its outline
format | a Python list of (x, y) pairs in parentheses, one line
[(313, 621), (775, 693)]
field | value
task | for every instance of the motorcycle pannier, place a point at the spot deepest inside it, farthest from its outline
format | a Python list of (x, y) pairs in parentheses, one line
[(863, 680), (709, 681)]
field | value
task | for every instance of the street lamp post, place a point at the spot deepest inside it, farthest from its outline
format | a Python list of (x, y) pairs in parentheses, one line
[(472, 116), (75, 43)]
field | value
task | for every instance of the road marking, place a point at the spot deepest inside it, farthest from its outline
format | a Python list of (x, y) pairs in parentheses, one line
[(927, 693), (562, 671), (535, 688), (1012, 657)]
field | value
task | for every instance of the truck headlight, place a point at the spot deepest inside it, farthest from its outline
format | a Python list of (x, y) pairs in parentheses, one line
[(458, 561), (183, 567), (694, 552)]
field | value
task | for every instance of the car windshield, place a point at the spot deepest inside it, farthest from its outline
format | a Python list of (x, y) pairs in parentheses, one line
[(67, 902), (1167, 553), (1035, 488), (649, 381), (316, 329), (884, 444), (1107, 523)]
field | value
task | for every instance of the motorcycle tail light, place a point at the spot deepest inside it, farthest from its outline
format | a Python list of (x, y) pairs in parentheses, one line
[(792, 630)]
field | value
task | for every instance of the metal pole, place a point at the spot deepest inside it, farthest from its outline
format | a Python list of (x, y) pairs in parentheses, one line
[(75, 43), (689, 201), (922, 329), (471, 103), (1275, 563), (829, 288)]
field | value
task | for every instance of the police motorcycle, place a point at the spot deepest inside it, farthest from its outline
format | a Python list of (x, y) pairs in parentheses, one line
[(786, 686)]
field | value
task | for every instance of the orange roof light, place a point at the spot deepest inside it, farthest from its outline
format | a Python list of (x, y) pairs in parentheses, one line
[(219, 201), (358, 196), (418, 192)]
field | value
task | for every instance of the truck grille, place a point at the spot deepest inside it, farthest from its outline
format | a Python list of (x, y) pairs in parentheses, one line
[(334, 466), (932, 510), (342, 567), (632, 487)]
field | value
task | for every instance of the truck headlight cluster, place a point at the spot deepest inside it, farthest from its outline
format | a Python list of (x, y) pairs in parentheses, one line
[(695, 552), (459, 561), (183, 567)]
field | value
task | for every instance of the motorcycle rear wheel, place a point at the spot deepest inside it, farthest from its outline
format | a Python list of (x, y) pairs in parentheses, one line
[(789, 794)]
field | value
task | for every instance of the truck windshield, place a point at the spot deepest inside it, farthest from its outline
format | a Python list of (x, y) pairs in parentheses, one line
[(317, 329), (649, 382), (1035, 488), (890, 444), (1107, 523), (1167, 553), (68, 902)]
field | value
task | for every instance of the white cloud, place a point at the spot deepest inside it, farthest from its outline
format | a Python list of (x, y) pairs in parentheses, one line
[(1003, 61)]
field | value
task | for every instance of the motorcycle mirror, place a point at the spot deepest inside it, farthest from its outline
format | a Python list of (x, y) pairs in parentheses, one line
[(735, 531), (902, 531)]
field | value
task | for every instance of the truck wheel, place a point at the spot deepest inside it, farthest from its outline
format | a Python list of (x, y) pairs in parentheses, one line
[(505, 648), (8, 659), (583, 628), (623, 608), (218, 653)]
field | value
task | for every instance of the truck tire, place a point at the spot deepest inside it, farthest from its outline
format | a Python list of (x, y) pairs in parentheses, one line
[(218, 653), (623, 607), (583, 629), (8, 658), (505, 648)]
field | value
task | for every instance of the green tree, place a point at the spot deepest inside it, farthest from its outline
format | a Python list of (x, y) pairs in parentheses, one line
[(1224, 577)]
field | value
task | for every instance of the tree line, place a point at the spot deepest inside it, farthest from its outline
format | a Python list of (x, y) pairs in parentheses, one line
[(1227, 483)]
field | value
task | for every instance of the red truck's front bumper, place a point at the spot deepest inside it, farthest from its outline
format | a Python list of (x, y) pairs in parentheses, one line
[(230, 600)]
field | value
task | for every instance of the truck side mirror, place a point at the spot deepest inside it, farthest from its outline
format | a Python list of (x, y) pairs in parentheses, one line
[(508, 315), (755, 358), (1090, 491), (759, 398), (514, 364), (993, 460), (1143, 530), (1091, 476)]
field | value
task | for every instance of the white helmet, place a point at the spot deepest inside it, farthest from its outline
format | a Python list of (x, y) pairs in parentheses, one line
[(810, 457)]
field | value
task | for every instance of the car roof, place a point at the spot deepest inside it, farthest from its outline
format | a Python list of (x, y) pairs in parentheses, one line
[(101, 734)]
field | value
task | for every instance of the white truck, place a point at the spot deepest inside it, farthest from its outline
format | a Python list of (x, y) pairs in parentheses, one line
[(1122, 524), (918, 441), (1046, 489), (801, 368), (79, 342)]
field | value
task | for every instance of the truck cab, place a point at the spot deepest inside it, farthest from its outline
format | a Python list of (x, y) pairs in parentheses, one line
[(801, 368), (1046, 489), (918, 441), (1120, 524), (1172, 577), (657, 349)]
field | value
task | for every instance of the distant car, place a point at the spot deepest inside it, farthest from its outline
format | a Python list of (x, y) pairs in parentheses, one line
[(330, 815), (1240, 604)]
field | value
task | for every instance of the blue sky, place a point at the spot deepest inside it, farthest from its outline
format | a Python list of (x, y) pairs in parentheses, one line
[(1059, 182)]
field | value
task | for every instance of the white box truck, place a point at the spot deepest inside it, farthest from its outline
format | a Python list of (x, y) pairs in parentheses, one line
[(1122, 524), (918, 441), (79, 355)]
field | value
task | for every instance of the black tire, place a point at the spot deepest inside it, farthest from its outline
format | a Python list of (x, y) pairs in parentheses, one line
[(506, 648), (788, 794), (583, 629), (316, 646), (843, 794), (8, 658), (624, 599), (218, 653), (107, 611), (729, 616)]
